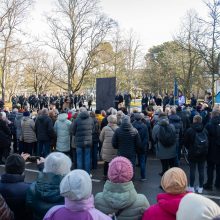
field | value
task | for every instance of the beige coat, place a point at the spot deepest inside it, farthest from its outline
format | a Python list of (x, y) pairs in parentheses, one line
[(28, 130), (108, 152)]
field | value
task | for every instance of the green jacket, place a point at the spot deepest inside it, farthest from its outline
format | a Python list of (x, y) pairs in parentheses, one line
[(117, 196), (44, 194)]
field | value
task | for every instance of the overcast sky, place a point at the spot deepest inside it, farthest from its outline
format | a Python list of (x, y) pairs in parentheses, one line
[(154, 21)]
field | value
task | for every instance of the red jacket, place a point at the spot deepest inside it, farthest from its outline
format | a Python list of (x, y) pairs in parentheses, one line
[(165, 209)]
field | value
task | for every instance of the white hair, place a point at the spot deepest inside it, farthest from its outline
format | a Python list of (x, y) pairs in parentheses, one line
[(57, 163), (82, 109)]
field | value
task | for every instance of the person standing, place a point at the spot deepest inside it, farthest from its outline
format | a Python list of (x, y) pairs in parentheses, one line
[(28, 134), (144, 102), (62, 131), (181, 99), (164, 137), (5, 138), (82, 131), (127, 98), (196, 141), (213, 162), (44, 132), (127, 140)]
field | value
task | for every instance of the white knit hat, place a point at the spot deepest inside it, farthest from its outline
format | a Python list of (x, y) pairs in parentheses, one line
[(77, 185), (197, 207), (57, 163)]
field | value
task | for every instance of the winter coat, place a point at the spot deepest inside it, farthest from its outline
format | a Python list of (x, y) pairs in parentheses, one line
[(17, 124), (82, 209), (214, 148), (5, 212), (189, 140), (161, 151), (83, 127), (118, 196), (44, 194), (185, 120), (11, 118), (143, 132), (176, 121), (127, 140), (95, 132), (165, 209), (108, 152), (14, 189), (28, 130), (44, 128), (5, 135), (104, 122), (62, 130)]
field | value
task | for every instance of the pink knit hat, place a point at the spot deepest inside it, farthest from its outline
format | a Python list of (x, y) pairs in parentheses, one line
[(120, 170)]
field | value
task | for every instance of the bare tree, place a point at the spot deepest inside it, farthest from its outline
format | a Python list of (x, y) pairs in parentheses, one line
[(190, 60), (77, 28), (208, 41), (12, 14)]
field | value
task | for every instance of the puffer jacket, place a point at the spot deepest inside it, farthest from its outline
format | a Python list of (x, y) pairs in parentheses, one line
[(108, 152), (214, 148), (28, 130), (44, 194), (161, 151), (17, 124), (177, 122), (82, 209), (14, 190), (62, 130), (5, 212), (118, 196), (165, 209), (44, 128), (83, 128), (127, 140), (5, 135)]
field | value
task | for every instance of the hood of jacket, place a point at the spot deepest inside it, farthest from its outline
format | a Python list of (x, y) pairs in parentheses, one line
[(169, 202), (84, 115), (12, 178), (126, 125), (137, 124), (62, 117), (197, 127), (80, 205), (174, 118), (48, 187), (163, 121), (19, 115), (26, 118), (119, 195), (41, 118)]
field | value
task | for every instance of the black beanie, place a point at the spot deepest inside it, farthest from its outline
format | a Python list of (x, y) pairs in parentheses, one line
[(15, 164)]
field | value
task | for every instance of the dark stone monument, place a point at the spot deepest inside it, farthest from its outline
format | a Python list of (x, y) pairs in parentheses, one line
[(105, 93)]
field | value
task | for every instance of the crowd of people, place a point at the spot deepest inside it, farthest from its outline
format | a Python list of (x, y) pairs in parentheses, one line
[(66, 139)]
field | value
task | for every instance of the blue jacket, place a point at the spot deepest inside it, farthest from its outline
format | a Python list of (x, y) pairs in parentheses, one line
[(14, 189), (62, 130)]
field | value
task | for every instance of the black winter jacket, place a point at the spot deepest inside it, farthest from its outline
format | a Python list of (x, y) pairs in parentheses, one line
[(5, 135), (14, 189), (82, 130), (189, 140), (214, 146), (127, 140), (44, 128)]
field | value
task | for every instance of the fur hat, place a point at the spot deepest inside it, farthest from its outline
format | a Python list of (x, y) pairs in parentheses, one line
[(77, 185), (120, 170), (15, 164), (174, 181), (57, 163), (197, 207)]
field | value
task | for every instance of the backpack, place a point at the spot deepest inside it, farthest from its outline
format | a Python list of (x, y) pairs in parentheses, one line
[(166, 135), (201, 145)]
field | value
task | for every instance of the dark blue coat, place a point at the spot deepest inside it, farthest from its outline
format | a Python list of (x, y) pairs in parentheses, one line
[(13, 189)]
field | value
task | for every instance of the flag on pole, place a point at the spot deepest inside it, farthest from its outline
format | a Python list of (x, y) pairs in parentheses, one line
[(175, 92)]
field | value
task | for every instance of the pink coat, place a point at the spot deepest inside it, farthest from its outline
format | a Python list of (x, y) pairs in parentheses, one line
[(165, 209)]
